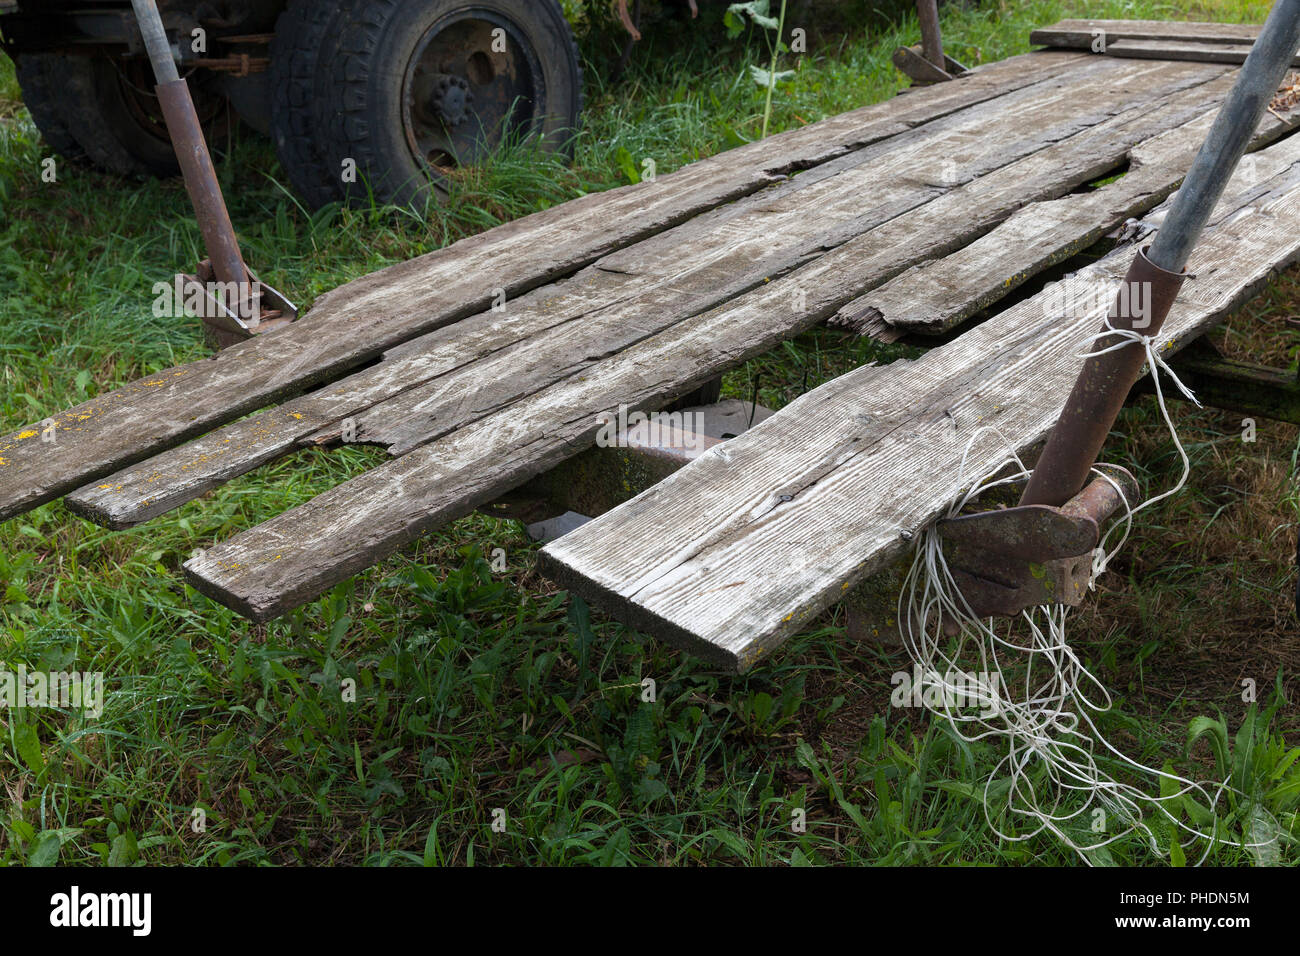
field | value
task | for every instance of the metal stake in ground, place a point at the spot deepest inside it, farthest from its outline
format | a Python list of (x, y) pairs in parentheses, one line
[(927, 13), (927, 63), (229, 321)]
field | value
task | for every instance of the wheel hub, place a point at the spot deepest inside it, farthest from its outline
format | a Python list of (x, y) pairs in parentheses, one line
[(473, 79), (451, 100)]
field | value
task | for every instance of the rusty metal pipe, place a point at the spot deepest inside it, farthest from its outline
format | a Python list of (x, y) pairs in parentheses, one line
[(201, 183), (1100, 498), (1010, 559), (927, 12), (1158, 272), (1142, 304), (194, 158)]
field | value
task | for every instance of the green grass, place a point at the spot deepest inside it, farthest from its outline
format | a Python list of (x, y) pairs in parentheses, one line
[(469, 691)]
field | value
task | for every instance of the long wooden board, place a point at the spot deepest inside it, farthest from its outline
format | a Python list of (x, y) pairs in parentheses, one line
[(294, 557), (1200, 52), (736, 552), (1083, 34), (933, 297), (356, 323), (454, 376)]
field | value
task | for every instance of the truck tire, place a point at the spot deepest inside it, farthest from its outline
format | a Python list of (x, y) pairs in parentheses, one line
[(107, 111), (306, 35), (420, 87), (41, 101)]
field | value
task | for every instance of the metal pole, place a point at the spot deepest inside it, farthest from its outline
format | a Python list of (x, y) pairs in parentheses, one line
[(927, 12), (194, 158), (1265, 68), (155, 41), (1152, 284)]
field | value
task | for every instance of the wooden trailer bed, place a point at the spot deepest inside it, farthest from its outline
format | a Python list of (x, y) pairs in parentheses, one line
[(487, 363)]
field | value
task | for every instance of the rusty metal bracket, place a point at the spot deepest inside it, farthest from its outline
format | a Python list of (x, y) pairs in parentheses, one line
[(913, 64), (926, 63), (1007, 560), (265, 308)]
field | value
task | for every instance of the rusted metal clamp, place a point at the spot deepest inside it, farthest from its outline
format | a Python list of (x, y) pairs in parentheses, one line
[(230, 319), (1011, 559), (927, 63)]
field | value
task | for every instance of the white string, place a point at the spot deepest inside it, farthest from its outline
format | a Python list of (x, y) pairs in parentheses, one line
[(1049, 725)]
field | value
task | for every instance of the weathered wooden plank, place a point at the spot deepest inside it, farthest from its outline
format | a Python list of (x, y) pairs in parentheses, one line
[(893, 186), (356, 323), (1084, 34), (295, 556), (745, 546), (1232, 53), (506, 366), (933, 297), (443, 380)]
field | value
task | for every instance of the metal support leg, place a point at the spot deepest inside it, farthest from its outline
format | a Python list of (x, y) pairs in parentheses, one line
[(927, 63), (241, 309), (927, 11)]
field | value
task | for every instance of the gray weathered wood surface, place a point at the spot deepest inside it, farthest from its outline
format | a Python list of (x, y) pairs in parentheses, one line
[(745, 546), (1082, 34), (1056, 134), (357, 322), (933, 297), (627, 298)]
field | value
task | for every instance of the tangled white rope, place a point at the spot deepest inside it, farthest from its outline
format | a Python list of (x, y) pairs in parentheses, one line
[(1046, 723)]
